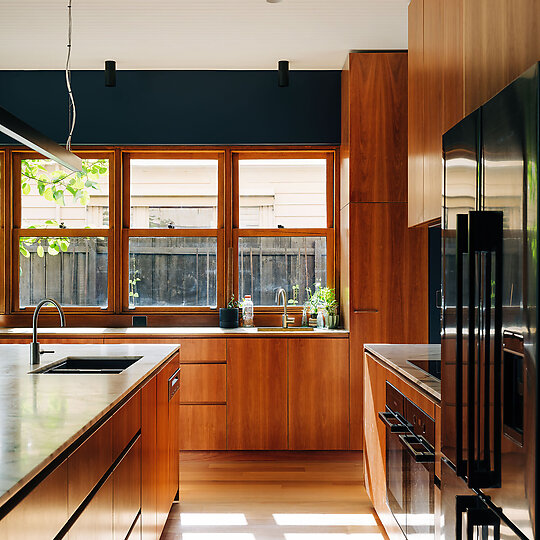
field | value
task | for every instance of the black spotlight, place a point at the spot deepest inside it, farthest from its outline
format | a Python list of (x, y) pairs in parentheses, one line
[(283, 73), (110, 73)]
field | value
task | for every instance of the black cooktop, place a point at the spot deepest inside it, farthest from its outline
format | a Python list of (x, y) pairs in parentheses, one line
[(432, 367)]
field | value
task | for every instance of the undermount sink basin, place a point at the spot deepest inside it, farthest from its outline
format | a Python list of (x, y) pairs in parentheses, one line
[(290, 329), (89, 364)]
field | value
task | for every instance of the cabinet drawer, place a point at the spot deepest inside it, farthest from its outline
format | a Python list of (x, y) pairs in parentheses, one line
[(203, 383), (200, 351), (125, 424), (127, 491), (88, 464), (96, 521), (203, 427)]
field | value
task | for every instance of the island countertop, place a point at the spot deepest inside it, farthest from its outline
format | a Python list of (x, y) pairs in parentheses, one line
[(397, 357), (41, 415)]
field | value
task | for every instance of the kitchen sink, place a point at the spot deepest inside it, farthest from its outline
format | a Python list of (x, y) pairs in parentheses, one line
[(89, 364), (290, 329)]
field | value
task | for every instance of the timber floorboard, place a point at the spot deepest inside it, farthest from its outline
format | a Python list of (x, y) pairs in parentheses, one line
[(270, 496)]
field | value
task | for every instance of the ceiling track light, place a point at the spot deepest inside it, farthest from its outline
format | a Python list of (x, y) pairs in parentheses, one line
[(110, 73), (283, 73)]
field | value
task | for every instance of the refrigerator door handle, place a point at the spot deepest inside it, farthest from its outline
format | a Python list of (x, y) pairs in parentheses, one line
[(462, 232), (485, 290)]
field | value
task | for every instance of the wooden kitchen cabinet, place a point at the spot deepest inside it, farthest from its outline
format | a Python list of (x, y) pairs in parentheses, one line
[(203, 383), (416, 112), (96, 520), (203, 427), (461, 53), (127, 491), (149, 460), (42, 513), (257, 394), (374, 127), (318, 394), (122, 474)]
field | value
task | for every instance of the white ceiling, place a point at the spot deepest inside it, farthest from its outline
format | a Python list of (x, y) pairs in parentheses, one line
[(197, 34)]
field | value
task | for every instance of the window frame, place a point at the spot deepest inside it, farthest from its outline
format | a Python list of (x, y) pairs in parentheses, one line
[(328, 231), (128, 232), (16, 230), (118, 233)]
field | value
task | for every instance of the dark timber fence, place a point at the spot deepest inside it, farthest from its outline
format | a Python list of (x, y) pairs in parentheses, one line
[(173, 271)]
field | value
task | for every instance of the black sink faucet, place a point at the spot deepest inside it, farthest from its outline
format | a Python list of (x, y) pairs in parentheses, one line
[(35, 353)]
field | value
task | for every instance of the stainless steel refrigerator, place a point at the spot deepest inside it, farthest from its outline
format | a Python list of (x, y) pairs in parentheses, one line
[(489, 318)]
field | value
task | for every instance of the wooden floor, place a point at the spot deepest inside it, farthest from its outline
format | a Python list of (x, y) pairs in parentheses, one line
[(268, 496)]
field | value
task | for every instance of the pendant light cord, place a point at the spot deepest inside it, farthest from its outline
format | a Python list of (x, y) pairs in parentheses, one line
[(72, 112)]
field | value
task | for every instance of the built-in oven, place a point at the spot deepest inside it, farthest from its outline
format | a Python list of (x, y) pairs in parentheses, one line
[(410, 460)]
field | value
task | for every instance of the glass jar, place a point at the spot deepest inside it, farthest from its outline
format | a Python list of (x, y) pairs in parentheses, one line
[(247, 311)]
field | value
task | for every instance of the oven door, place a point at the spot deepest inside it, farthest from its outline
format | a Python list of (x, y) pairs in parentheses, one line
[(420, 471), (396, 462)]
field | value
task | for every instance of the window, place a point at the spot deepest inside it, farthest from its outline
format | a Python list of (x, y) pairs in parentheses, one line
[(268, 263), (174, 193), (172, 271), (174, 230), (284, 224), (165, 231), (289, 193), (62, 232)]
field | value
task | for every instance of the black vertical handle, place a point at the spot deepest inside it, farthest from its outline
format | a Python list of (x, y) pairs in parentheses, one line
[(485, 244), (462, 231)]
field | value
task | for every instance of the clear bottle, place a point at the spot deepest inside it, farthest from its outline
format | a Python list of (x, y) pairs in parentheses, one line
[(247, 311), (320, 317)]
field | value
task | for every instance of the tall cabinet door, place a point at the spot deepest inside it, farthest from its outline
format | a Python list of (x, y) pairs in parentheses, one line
[(257, 394), (318, 394)]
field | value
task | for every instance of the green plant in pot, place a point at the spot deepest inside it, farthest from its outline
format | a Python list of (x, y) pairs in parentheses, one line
[(325, 298), (229, 316)]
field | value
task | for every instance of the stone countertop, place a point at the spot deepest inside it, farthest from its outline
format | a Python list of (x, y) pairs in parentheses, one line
[(43, 414), (397, 356), (166, 331)]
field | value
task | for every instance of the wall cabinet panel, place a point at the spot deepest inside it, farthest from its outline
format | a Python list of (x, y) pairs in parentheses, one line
[(257, 394), (462, 52)]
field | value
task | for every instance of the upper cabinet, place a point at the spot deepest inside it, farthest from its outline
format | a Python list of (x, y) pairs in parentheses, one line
[(374, 118), (461, 53)]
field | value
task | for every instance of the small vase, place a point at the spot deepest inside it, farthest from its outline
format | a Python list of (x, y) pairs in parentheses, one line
[(332, 321)]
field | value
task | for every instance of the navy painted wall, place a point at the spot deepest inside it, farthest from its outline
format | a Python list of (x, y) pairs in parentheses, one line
[(179, 107)]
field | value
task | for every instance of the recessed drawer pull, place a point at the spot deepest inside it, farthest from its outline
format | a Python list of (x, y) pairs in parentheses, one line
[(174, 383)]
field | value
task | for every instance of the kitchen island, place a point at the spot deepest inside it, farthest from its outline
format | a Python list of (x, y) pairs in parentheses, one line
[(98, 431)]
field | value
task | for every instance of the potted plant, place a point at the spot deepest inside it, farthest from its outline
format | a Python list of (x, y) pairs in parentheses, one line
[(324, 298), (228, 316)]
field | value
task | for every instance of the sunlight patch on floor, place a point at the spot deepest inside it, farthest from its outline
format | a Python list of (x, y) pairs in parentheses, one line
[(212, 519), (218, 536), (312, 520), (333, 536)]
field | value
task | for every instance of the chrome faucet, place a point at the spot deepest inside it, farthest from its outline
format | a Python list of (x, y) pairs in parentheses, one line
[(285, 321), (35, 352)]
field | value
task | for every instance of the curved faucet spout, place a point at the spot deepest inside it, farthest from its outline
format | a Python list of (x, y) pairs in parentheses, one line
[(35, 352)]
